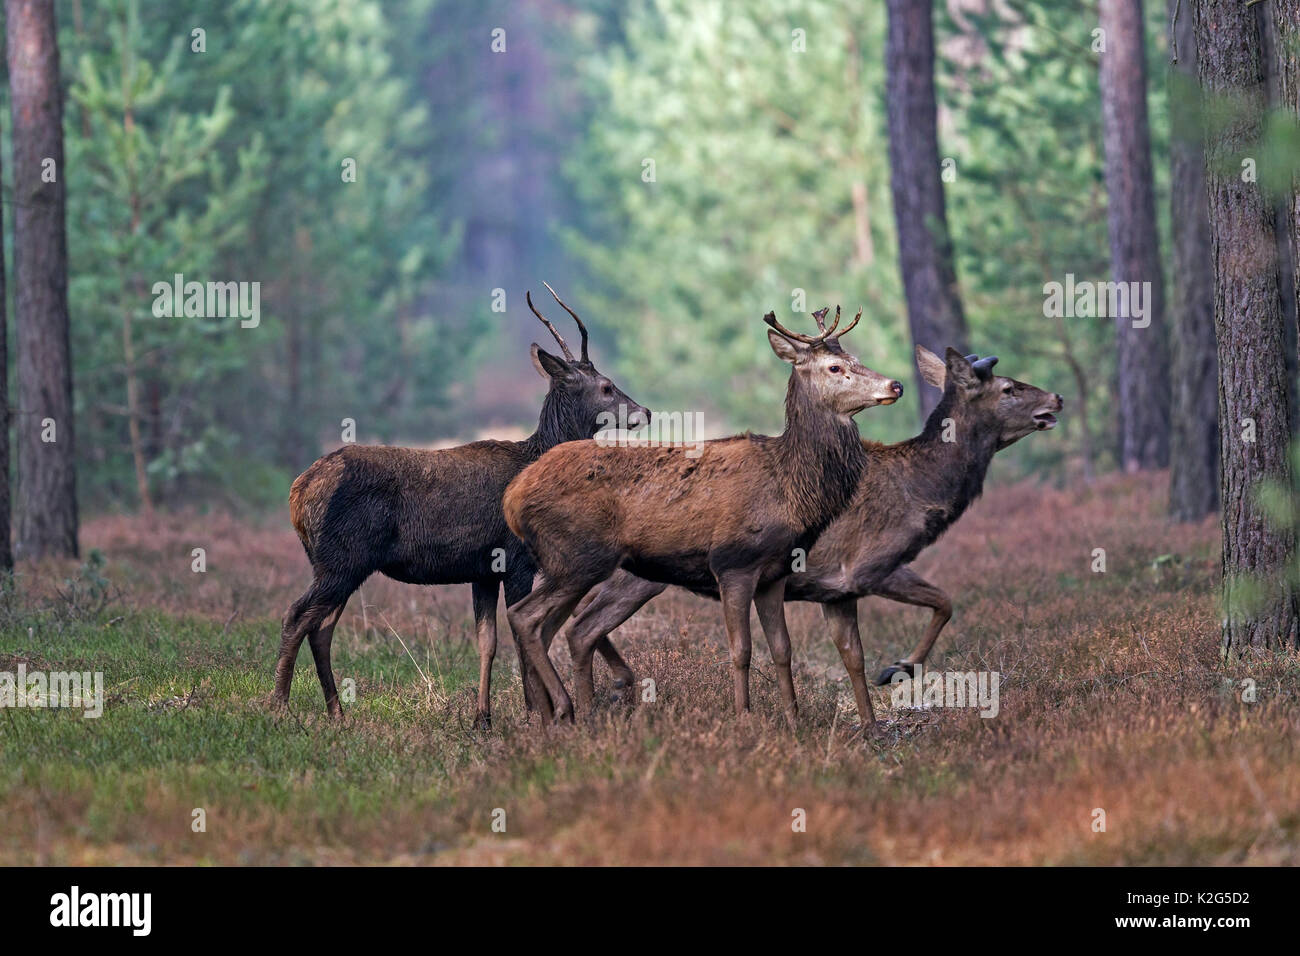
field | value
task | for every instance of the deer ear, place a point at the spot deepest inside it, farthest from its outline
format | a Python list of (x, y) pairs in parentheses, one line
[(959, 369), (786, 350), (548, 366), (932, 368)]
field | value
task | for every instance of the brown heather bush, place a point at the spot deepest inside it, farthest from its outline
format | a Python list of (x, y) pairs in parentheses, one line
[(1113, 696)]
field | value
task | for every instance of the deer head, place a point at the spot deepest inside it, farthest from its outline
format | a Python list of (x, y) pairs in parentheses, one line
[(1007, 408), (585, 400), (832, 376)]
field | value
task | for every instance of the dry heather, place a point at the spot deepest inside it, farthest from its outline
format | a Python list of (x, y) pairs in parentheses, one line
[(1113, 697)]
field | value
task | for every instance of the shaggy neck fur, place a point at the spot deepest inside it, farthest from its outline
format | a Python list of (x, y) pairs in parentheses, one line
[(821, 459), (562, 419), (951, 473)]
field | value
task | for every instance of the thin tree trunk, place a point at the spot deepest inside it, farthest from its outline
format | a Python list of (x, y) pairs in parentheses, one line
[(47, 486), (1143, 364), (1194, 431), (925, 252), (6, 551), (1253, 411)]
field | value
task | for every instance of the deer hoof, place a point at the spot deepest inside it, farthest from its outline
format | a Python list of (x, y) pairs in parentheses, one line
[(887, 675)]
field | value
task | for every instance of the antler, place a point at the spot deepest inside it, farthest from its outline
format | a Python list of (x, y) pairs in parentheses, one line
[(820, 316), (528, 296), (984, 367), (581, 328)]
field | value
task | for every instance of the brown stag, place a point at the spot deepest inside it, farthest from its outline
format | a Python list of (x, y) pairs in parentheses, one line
[(729, 517), (911, 493), (433, 517)]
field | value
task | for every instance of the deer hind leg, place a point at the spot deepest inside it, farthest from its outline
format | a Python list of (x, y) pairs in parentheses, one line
[(485, 626), (908, 587), (535, 620), (302, 620), (737, 593), (842, 616), (770, 602), (320, 641), (535, 697), (609, 605)]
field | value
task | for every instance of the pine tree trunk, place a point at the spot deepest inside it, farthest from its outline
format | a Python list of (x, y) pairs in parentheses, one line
[(925, 254), (1286, 17), (6, 551), (1253, 409), (47, 496), (1194, 431), (1143, 365)]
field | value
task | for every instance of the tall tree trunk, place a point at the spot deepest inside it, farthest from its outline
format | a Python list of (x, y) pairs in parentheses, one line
[(6, 551), (1286, 19), (925, 254), (47, 487), (1194, 431), (1134, 251), (1274, 66), (1253, 410)]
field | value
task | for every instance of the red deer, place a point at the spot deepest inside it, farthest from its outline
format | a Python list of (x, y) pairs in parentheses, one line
[(726, 517), (912, 492), (433, 517)]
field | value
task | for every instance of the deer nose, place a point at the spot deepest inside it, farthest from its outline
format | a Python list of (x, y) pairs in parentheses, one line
[(1060, 402), (896, 388), (637, 417)]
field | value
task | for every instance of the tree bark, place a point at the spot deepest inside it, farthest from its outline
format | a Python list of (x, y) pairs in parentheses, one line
[(47, 498), (1286, 19), (1194, 431), (1253, 408), (6, 551), (925, 254), (1143, 365)]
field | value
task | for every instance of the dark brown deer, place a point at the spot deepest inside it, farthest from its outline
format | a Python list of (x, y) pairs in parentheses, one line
[(912, 492), (433, 517), (725, 517)]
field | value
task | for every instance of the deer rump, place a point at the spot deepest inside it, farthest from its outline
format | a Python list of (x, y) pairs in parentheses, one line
[(402, 511)]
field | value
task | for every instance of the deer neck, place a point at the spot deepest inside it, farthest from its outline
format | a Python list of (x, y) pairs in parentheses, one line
[(953, 470), (821, 460), (559, 421)]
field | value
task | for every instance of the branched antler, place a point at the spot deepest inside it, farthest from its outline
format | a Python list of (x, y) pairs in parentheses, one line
[(820, 317)]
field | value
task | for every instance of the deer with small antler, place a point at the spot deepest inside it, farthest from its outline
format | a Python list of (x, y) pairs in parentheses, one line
[(433, 517), (728, 519), (911, 492)]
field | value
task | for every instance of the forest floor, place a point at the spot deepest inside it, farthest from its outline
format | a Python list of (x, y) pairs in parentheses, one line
[(1112, 698)]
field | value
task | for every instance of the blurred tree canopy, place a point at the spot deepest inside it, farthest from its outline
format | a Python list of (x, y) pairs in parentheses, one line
[(676, 168)]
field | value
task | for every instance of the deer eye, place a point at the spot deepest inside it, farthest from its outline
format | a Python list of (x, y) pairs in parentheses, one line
[(1008, 389), (607, 389), (835, 370)]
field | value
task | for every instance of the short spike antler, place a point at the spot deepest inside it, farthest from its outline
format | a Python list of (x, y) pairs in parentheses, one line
[(984, 367), (581, 328), (820, 316), (528, 296)]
